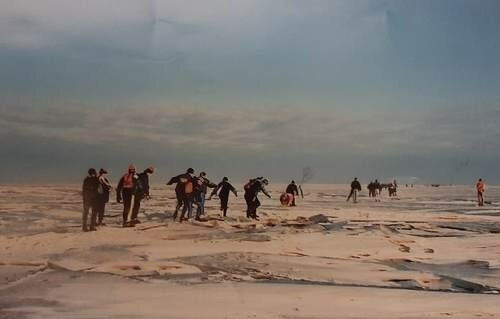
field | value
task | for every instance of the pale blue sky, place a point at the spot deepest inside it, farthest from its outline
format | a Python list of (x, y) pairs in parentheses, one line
[(367, 88)]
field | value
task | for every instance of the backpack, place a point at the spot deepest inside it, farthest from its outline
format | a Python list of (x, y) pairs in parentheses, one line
[(188, 187), (250, 184)]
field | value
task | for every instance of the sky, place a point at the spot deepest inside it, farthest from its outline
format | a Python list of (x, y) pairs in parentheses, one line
[(367, 88)]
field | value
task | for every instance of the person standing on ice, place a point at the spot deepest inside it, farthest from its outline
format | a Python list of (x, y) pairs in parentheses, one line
[(480, 187), (103, 195), (378, 188), (90, 193), (132, 188), (125, 192), (355, 188), (200, 193)]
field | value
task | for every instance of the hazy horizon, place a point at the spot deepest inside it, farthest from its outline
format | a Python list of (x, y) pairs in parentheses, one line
[(369, 88)]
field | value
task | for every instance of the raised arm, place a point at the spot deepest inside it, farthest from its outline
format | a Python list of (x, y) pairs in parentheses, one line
[(173, 180), (216, 189), (105, 181), (211, 185), (265, 191), (231, 187)]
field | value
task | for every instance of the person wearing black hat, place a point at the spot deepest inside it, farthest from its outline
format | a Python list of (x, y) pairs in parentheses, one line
[(292, 190), (181, 186), (89, 193), (224, 188), (103, 190)]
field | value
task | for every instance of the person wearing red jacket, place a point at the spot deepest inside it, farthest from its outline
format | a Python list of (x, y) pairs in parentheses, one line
[(132, 188)]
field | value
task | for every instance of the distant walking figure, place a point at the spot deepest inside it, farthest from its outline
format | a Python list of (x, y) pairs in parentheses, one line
[(355, 188), (393, 189), (480, 187), (371, 189)]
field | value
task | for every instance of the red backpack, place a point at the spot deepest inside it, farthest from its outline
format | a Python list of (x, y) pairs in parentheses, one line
[(188, 187), (248, 185)]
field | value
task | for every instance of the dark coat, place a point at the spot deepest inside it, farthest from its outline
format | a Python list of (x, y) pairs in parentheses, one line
[(89, 189), (180, 181), (224, 188), (356, 185), (292, 189), (142, 185)]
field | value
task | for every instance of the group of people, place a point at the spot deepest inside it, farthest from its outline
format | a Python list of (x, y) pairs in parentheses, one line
[(131, 190), (95, 191), (374, 189), (192, 190)]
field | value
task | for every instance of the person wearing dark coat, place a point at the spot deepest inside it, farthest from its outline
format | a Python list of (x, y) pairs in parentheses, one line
[(292, 190), (378, 188), (224, 188), (355, 188), (252, 189), (89, 193), (180, 189), (371, 189)]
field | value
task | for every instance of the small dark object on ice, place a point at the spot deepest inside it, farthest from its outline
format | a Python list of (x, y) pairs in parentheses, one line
[(319, 218)]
